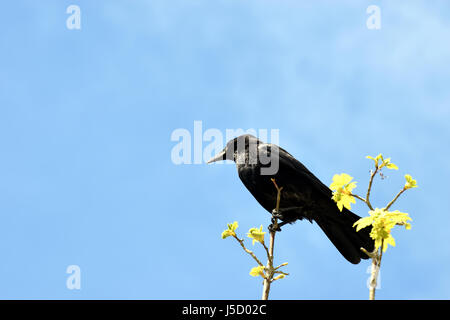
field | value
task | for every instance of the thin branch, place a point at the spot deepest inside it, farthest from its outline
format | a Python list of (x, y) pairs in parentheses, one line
[(395, 199), (358, 197), (281, 272), (241, 242), (266, 287), (281, 265), (372, 175), (269, 257), (269, 251), (369, 254)]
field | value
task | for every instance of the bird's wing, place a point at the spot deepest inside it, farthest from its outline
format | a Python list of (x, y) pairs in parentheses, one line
[(286, 160)]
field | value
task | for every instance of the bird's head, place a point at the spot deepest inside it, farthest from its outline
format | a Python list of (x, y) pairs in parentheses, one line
[(236, 147)]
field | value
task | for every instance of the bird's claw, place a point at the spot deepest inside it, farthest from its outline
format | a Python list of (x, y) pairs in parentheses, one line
[(272, 228), (276, 214)]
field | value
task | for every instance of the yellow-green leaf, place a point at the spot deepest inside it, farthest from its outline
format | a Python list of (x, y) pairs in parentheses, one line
[(362, 223), (391, 166), (390, 240), (256, 234), (340, 180), (343, 186), (227, 233), (233, 226), (257, 271), (410, 182), (376, 159), (382, 222), (343, 200), (230, 231), (281, 276)]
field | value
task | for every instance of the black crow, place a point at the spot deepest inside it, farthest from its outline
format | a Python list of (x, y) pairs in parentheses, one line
[(303, 196)]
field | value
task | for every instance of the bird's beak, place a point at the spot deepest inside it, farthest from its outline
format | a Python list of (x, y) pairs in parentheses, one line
[(218, 157)]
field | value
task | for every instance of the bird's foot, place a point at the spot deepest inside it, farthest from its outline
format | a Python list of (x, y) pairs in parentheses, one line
[(276, 214), (274, 227)]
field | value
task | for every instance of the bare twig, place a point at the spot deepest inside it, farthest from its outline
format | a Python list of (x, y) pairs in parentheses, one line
[(369, 254), (369, 188), (268, 280), (281, 272), (395, 199), (241, 242), (358, 197), (269, 251), (281, 265)]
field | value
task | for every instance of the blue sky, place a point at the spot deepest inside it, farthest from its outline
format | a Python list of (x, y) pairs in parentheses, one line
[(86, 116)]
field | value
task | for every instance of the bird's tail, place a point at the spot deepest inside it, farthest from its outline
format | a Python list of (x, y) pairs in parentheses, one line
[(339, 229)]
